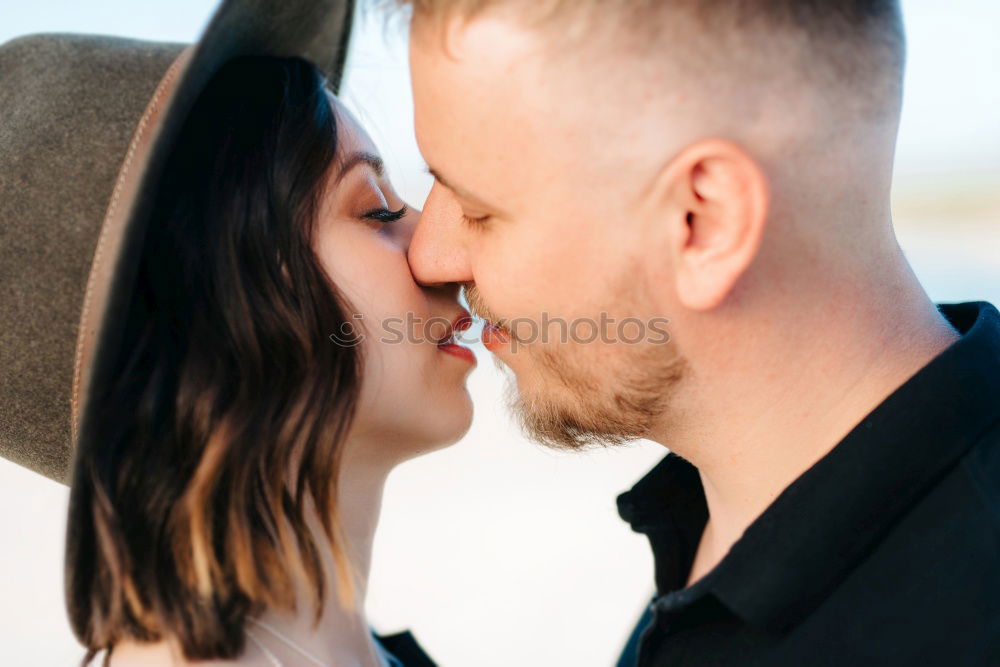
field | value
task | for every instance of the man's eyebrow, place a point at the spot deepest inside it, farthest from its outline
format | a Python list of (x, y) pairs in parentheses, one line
[(354, 159), (464, 194)]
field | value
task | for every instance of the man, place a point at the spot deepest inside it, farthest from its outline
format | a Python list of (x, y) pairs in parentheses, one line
[(833, 489)]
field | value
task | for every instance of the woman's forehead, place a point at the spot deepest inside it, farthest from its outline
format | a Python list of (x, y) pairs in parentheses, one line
[(351, 136)]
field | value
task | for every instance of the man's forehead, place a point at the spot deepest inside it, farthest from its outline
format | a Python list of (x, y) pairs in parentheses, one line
[(480, 56), (495, 63), (470, 86), (491, 98)]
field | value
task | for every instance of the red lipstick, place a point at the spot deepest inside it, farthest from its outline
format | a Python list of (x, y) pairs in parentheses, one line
[(447, 343)]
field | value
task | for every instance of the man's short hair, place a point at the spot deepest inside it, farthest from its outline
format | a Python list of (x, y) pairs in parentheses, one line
[(815, 16), (859, 42)]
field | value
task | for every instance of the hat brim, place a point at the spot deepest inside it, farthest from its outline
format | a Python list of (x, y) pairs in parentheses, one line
[(317, 30)]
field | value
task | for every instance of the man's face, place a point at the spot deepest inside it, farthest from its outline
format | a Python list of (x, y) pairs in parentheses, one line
[(536, 207)]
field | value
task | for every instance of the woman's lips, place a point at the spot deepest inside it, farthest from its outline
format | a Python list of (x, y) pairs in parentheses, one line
[(448, 344), (458, 351)]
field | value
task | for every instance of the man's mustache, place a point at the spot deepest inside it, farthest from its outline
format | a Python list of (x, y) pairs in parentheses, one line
[(478, 307)]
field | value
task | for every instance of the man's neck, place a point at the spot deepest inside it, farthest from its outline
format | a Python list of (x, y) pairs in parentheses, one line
[(811, 384)]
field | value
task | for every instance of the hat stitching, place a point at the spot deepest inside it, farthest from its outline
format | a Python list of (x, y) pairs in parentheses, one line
[(105, 226)]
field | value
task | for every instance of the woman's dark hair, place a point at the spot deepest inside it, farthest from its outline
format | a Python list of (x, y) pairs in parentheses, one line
[(224, 427)]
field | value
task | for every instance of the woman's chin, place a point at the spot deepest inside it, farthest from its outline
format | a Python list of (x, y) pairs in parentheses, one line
[(442, 426), (414, 428), (454, 422)]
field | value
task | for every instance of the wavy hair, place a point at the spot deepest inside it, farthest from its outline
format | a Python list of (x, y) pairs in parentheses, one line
[(224, 428)]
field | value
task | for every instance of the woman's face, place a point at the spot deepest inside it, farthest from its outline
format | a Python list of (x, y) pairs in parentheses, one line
[(413, 396)]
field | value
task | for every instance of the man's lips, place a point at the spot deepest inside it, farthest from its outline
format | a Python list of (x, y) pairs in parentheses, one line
[(494, 337)]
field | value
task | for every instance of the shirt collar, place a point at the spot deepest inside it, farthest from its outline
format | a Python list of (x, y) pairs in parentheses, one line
[(668, 505), (828, 519)]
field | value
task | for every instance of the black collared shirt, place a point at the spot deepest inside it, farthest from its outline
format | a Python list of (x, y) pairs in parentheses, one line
[(885, 552)]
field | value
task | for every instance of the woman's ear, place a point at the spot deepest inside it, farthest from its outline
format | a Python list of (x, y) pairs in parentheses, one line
[(714, 198)]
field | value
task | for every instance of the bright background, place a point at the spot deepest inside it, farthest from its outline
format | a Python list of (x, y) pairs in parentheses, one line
[(497, 552)]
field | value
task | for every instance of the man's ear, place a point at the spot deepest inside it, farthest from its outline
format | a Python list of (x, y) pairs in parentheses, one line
[(714, 199)]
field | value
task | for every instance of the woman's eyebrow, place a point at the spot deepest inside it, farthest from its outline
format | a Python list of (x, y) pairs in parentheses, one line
[(354, 159)]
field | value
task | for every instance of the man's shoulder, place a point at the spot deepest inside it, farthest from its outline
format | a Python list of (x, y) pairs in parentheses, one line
[(960, 513), (982, 467), (932, 583), (946, 547)]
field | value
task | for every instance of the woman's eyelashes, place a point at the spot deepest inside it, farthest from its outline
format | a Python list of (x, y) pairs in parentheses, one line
[(385, 215)]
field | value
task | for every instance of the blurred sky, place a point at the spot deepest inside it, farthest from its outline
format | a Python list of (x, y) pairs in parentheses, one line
[(495, 541)]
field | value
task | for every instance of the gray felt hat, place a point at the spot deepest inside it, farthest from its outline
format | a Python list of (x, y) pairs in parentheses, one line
[(86, 123)]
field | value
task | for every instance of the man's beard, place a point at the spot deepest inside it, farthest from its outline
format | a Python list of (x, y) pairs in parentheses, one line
[(590, 406), (597, 407)]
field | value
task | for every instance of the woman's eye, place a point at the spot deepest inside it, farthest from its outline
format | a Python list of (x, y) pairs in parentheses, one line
[(385, 215), (475, 222)]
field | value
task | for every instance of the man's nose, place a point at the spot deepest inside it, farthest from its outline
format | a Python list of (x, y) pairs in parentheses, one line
[(438, 251)]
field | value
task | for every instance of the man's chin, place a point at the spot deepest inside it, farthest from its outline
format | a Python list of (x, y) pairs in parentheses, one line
[(546, 421), (572, 412)]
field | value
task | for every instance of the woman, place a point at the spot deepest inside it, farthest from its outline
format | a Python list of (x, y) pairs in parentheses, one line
[(227, 511)]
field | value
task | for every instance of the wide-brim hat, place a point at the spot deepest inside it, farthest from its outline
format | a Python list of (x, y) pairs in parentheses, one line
[(86, 125)]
